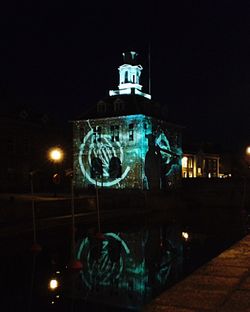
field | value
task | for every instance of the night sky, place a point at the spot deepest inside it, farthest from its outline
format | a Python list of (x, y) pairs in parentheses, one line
[(59, 58)]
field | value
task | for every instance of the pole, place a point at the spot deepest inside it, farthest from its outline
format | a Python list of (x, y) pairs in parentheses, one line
[(33, 206), (73, 216), (97, 207)]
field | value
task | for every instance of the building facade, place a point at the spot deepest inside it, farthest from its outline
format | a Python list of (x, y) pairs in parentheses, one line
[(200, 165)]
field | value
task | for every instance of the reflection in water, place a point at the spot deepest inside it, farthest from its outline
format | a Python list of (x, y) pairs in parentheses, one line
[(122, 270), (128, 268)]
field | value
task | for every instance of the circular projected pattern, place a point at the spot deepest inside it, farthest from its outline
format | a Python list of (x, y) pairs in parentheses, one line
[(103, 259), (104, 149)]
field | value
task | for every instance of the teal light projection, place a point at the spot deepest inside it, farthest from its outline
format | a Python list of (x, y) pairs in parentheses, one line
[(129, 74), (133, 151), (129, 268)]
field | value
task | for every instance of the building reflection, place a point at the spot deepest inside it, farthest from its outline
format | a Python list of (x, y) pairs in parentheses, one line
[(128, 268)]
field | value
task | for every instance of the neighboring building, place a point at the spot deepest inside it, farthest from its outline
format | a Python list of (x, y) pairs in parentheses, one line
[(25, 139), (124, 142), (200, 165)]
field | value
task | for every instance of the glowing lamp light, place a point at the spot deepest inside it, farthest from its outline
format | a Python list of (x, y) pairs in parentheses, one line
[(56, 154), (248, 150), (53, 284), (185, 235)]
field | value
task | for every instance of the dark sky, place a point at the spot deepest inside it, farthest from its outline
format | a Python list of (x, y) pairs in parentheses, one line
[(60, 57)]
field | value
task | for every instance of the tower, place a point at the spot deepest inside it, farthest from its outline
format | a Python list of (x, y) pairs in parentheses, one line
[(124, 143), (129, 74)]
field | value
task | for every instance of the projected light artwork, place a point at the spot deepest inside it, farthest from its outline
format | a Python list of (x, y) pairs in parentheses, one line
[(132, 266), (132, 151)]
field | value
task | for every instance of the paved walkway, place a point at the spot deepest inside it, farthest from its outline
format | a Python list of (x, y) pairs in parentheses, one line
[(222, 285)]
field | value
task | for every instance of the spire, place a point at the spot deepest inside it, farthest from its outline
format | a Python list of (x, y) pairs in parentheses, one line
[(129, 76)]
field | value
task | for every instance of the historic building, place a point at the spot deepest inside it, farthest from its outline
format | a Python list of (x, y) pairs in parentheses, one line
[(200, 165), (125, 142)]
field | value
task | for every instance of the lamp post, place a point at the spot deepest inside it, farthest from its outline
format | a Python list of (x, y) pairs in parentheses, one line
[(75, 264), (35, 246), (56, 155)]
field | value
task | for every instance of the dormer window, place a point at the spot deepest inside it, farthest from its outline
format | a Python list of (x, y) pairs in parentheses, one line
[(101, 107), (118, 105)]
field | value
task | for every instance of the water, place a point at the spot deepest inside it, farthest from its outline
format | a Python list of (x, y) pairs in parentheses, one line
[(122, 271)]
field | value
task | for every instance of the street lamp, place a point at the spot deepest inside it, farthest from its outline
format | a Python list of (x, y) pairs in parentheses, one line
[(56, 154), (248, 155)]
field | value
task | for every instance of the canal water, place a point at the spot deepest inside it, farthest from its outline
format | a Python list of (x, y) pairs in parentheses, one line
[(123, 269)]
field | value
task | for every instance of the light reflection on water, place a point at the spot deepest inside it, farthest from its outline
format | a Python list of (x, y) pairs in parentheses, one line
[(128, 268), (122, 271)]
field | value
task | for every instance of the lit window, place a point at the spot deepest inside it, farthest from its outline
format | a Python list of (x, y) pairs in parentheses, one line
[(184, 161), (190, 163)]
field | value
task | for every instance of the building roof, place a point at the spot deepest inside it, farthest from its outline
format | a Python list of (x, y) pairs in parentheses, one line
[(123, 105)]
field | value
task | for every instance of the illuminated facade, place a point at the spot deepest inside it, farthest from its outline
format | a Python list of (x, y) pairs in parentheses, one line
[(127, 147), (200, 165)]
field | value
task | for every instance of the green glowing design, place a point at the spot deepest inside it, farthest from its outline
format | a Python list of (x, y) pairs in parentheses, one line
[(104, 269), (126, 152), (104, 151), (132, 263)]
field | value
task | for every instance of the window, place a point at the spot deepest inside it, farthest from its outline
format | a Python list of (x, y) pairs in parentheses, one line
[(115, 170), (118, 105), (126, 77), (184, 161), (96, 169), (99, 134), (190, 162), (114, 133), (131, 132), (94, 135), (101, 107)]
